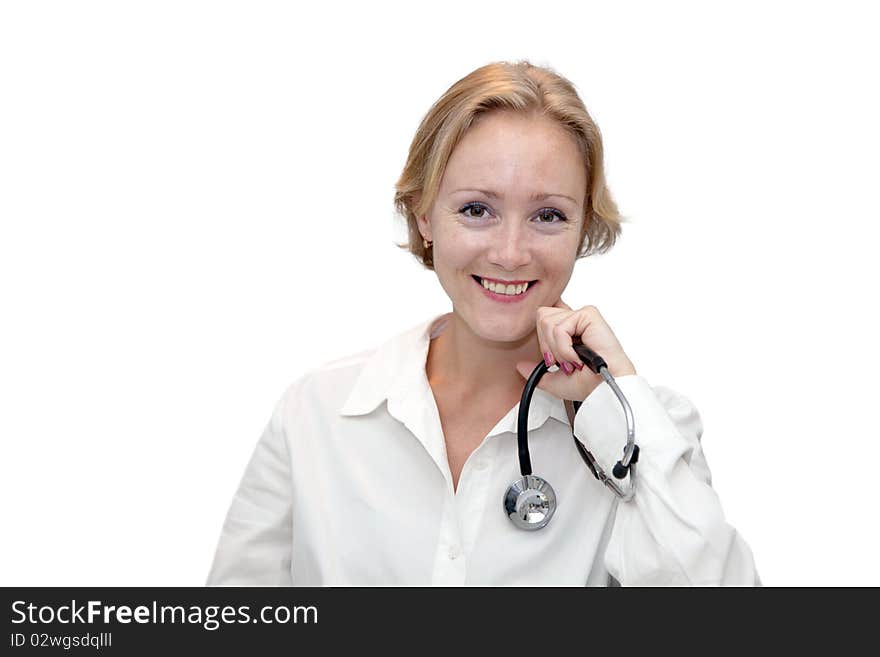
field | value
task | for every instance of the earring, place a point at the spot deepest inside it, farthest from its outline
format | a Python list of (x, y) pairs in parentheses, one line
[(427, 244)]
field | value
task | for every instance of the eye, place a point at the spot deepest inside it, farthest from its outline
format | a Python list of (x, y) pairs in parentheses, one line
[(474, 207), (477, 210), (551, 212)]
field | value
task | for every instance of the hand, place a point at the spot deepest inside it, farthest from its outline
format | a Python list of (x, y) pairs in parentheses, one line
[(556, 326)]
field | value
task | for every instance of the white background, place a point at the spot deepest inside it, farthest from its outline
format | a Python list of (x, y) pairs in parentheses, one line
[(196, 206)]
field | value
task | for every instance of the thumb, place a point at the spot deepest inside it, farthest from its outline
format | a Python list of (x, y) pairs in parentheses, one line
[(526, 367), (553, 382)]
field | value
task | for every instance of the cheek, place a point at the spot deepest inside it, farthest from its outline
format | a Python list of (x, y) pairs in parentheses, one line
[(557, 259), (448, 265), (459, 251)]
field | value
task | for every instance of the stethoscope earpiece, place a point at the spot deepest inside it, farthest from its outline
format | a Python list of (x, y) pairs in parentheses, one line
[(530, 501), (619, 470)]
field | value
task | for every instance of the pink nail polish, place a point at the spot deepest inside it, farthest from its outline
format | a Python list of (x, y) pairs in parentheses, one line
[(566, 367), (580, 366), (548, 359)]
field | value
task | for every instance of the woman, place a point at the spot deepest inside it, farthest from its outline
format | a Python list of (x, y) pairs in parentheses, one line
[(390, 467)]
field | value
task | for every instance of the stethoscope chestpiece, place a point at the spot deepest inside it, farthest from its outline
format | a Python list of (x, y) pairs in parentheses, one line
[(530, 502)]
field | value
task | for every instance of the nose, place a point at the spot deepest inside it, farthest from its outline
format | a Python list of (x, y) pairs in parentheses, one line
[(510, 248)]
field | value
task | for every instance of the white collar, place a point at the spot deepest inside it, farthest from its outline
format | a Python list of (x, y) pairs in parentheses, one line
[(397, 368)]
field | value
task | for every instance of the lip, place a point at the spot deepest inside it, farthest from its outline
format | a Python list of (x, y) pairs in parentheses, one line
[(505, 298)]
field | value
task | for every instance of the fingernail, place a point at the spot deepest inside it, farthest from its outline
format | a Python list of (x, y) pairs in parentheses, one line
[(566, 367), (548, 359), (580, 366)]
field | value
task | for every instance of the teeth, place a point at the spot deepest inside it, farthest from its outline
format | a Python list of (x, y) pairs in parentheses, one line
[(500, 288)]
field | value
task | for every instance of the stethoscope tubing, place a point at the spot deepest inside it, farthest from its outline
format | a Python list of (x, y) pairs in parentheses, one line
[(627, 463)]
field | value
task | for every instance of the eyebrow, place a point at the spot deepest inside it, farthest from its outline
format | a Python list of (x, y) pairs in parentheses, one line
[(533, 197)]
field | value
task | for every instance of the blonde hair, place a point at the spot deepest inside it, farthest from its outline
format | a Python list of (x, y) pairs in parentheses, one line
[(524, 88)]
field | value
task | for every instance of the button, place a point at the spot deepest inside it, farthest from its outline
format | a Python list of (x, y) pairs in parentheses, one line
[(454, 552)]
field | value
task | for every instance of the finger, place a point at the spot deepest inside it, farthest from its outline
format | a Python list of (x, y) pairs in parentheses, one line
[(556, 341), (545, 349), (565, 353), (546, 352), (544, 315), (575, 324)]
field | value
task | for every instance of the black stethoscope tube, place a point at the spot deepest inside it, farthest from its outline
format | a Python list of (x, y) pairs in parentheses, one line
[(589, 357), (530, 501)]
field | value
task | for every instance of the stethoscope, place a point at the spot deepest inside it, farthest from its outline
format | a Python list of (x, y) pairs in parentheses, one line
[(530, 501)]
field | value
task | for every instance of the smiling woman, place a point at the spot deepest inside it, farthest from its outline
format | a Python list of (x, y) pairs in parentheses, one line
[(390, 467), (508, 233), (520, 90)]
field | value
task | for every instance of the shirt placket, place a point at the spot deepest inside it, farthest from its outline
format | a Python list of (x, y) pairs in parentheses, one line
[(417, 409), (449, 562), (475, 491), (463, 513)]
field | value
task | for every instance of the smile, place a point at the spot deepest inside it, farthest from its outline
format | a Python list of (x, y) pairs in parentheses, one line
[(504, 291)]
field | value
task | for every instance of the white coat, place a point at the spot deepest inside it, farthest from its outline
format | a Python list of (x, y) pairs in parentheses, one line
[(349, 485)]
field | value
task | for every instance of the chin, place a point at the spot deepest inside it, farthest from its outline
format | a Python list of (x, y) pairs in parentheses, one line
[(498, 329)]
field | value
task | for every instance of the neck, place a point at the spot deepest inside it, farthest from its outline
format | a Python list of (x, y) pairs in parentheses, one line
[(463, 361)]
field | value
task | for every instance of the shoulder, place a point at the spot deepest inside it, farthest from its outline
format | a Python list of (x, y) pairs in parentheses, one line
[(656, 401), (325, 388), (357, 383), (689, 425), (681, 409)]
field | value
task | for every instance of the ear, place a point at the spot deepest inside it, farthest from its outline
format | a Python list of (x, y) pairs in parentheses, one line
[(422, 221), (425, 228)]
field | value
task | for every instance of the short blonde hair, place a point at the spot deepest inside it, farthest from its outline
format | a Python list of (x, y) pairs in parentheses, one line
[(523, 88)]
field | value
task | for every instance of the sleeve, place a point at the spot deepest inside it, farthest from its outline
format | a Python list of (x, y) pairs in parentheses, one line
[(672, 532), (255, 542)]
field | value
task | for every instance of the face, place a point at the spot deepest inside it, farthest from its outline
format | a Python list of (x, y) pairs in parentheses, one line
[(509, 211)]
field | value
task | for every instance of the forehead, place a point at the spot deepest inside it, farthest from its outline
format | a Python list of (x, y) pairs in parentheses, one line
[(517, 154)]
